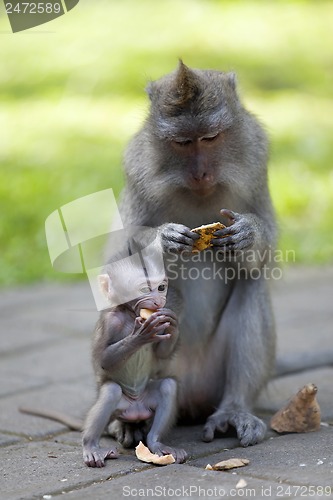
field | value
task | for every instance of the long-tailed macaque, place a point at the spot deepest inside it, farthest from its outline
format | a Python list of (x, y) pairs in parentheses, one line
[(130, 358), (201, 157), (126, 354)]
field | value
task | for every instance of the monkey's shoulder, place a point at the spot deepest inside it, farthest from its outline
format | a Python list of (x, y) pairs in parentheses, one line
[(114, 324)]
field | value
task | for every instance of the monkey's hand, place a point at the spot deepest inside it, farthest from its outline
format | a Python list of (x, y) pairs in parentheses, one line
[(94, 456), (171, 318), (164, 350), (177, 238), (161, 449), (241, 234), (151, 330)]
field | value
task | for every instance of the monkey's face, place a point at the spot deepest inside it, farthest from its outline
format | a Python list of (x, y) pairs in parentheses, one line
[(197, 155), (195, 117), (151, 295)]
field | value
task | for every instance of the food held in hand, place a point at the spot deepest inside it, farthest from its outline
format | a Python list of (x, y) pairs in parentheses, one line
[(206, 234), (146, 313)]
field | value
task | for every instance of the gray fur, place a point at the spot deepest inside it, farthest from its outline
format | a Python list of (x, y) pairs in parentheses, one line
[(226, 329)]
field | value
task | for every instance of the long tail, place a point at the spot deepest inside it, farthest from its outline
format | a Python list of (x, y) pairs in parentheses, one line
[(298, 362), (72, 423)]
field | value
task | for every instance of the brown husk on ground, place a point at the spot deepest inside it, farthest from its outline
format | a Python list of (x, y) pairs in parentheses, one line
[(301, 414), (232, 463)]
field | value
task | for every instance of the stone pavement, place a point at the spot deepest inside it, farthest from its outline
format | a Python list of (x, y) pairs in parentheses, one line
[(45, 362)]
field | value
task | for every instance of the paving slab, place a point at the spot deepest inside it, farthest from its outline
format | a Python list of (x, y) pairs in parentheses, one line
[(43, 313), (45, 335), (73, 398), (302, 302), (6, 439), (280, 390), (299, 459), (31, 470), (174, 481), (44, 365)]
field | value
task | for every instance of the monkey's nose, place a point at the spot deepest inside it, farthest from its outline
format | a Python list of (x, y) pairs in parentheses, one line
[(203, 177)]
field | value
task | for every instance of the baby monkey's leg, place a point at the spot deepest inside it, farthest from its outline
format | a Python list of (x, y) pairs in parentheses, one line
[(163, 399), (97, 419)]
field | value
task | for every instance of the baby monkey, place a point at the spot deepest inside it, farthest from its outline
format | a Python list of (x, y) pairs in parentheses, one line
[(130, 358), (127, 353)]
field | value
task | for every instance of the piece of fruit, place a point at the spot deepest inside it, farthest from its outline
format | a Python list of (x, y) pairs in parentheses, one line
[(206, 234), (145, 455), (146, 313), (301, 414)]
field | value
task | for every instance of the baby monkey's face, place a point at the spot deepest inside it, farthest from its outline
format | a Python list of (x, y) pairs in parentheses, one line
[(151, 296)]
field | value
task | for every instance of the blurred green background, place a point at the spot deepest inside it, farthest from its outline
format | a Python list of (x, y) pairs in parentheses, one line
[(72, 94)]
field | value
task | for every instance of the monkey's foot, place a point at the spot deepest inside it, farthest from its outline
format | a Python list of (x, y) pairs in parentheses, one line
[(128, 435), (250, 429), (95, 456), (160, 449)]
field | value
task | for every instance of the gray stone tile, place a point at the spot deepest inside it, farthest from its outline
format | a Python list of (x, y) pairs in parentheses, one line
[(73, 398), (174, 481), (64, 360), (36, 469), (6, 439), (281, 389), (298, 459), (302, 303), (45, 335), (44, 313), (189, 438)]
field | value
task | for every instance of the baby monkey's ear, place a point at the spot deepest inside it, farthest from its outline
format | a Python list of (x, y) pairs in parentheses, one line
[(104, 282)]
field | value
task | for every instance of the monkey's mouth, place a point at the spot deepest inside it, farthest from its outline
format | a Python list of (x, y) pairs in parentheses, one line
[(203, 186), (203, 190), (146, 307)]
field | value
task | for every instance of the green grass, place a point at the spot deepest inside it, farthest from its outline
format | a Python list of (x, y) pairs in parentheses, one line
[(71, 95)]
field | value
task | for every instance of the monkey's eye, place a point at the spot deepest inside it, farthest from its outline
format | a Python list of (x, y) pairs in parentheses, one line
[(183, 142), (144, 290), (209, 138), (162, 287)]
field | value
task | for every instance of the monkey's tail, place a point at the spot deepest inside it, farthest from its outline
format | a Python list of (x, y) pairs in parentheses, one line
[(72, 423), (299, 362)]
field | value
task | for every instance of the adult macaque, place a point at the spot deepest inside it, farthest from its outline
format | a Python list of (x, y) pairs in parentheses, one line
[(130, 358), (199, 156)]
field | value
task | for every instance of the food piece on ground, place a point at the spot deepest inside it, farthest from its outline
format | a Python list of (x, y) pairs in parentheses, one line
[(145, 455)]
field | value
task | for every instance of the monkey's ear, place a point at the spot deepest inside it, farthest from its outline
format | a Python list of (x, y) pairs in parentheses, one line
[(232, 80), (104, 282)]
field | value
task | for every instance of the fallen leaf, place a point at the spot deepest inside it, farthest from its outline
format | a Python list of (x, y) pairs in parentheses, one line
[(301, 414), (145, 455), (232, 463)]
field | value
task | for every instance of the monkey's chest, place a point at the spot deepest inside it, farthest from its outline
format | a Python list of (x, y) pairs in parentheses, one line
[(134, 375), (204, 292)]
